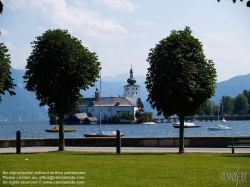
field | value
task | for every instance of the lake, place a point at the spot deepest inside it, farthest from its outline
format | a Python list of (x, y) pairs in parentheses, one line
[(36, 129)]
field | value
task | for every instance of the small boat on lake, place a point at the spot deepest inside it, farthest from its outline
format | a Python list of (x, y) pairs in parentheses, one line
[(186, 125), (219, 128), (223, 120), (103, 134), (148, 123), (56, 129)]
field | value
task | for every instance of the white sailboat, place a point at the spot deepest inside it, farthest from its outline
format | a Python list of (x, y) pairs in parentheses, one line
[(148, 122), (102, 133), (219, 127), (186, 125), (223, 119)]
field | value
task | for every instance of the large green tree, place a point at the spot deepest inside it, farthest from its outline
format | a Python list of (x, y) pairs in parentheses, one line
[(234, 1), (6, 82), (228, 104), (179, 79), (247, 94), (241, 104), (57, 69)]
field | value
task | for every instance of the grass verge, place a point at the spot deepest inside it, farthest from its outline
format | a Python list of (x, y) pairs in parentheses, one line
[(126, 169)]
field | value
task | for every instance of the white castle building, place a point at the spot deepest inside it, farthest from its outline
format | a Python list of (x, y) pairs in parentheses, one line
[(132, 90), (107, 107)]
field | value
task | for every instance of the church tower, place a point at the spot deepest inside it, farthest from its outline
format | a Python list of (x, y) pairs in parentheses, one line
[(132, 90)]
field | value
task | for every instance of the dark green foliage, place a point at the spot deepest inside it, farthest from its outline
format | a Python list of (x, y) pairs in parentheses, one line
[(228, 104), (1, 7), (140, 105), (6, 82), (126, 115), (241, 104), (247, 94), (206, 110), (115, 119), (57, 69), (143, 116), (234, 1), (179, 79)]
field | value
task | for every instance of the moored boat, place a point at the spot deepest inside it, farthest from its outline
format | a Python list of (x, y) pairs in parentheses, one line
[(148, 123), (186, 125), (103, 134), (223, 120), (56, 129), (219, 128)]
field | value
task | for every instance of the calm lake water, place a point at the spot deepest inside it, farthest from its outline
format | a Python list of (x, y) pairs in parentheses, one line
[(36, 129)]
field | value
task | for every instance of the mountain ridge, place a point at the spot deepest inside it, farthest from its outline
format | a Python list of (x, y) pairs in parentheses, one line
[(25, 106)]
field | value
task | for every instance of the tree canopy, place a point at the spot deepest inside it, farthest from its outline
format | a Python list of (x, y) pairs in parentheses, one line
[(179, 79), (6, 82), (234, 1), (1, 7), (241, 104), (57, 69)]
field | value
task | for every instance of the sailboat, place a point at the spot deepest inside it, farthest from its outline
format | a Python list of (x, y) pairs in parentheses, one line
[(148, 122), (223, 119), (219, 127), (102, 133)]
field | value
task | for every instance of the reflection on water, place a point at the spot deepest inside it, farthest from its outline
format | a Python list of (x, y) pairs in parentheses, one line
[(36, 129)]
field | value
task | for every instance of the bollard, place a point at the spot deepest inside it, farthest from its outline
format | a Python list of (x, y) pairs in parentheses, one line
[(18, 142), (118, 142)]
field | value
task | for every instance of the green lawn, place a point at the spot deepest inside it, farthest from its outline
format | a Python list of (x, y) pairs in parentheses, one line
[(126, 169)]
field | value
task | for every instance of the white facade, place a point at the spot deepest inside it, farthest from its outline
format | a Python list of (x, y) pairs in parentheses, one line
[(132, 91), (110, 106)]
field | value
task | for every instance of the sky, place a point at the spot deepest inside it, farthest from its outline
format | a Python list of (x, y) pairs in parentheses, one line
[(122, 32)]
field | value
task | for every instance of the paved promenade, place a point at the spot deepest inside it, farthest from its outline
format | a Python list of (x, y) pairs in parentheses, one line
[(126, 149)]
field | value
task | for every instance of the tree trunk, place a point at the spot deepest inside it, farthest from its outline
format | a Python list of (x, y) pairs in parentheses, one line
[(61, 133), (181, 135)]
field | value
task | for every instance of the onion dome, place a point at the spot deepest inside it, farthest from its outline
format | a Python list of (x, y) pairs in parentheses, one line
[(131, 80)]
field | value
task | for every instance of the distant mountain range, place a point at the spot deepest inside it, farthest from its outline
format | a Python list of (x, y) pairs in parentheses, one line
[(24, 106)]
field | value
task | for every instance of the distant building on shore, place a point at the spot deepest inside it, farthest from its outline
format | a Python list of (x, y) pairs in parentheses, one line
[(111, 106)]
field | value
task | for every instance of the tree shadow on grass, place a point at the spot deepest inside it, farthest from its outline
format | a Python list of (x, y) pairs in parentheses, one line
[(236, 155), (112, 154)]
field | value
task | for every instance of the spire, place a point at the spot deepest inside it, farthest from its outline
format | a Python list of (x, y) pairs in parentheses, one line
[(131, 72), (97, 93), (131, 80)]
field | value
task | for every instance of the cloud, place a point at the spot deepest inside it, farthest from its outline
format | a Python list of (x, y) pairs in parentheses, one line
[(211, 37), (18, 61), (117, 4), (144, 23), (4, 32), (16, 4), (78, 19)]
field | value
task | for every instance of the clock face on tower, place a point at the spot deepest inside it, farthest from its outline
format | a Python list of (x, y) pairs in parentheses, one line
[(127, 89)]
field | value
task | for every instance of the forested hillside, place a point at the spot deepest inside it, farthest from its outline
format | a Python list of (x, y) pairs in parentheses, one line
[(24, 105)]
